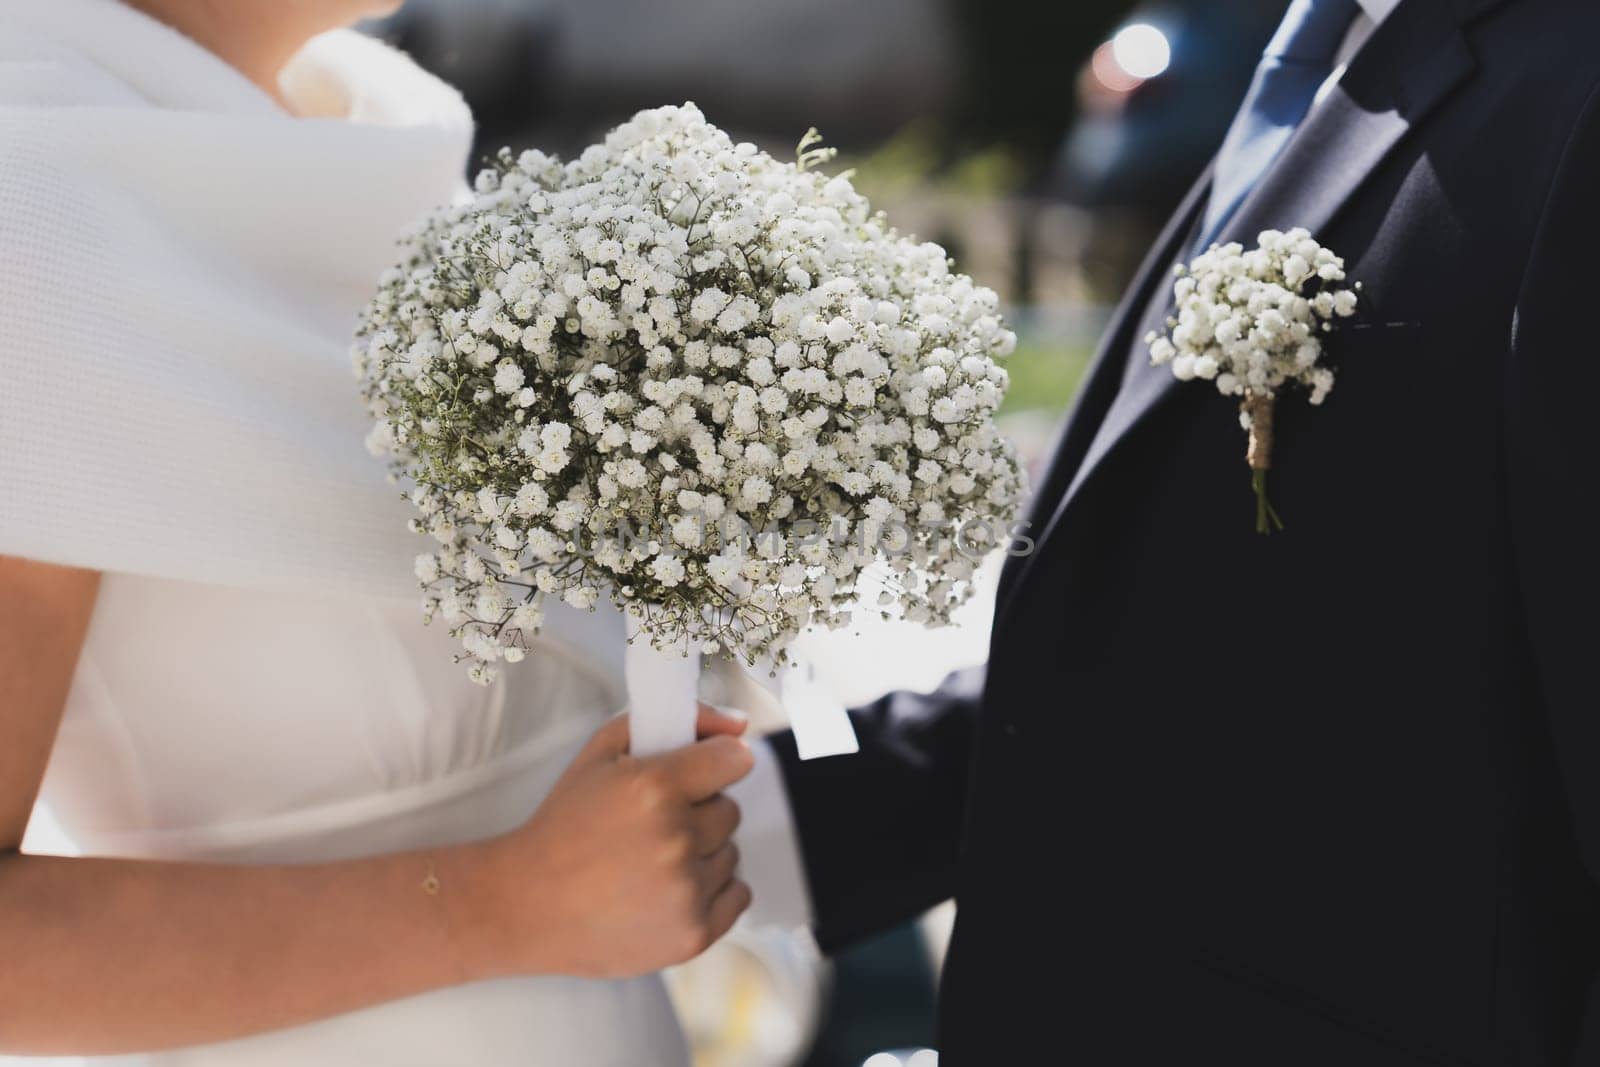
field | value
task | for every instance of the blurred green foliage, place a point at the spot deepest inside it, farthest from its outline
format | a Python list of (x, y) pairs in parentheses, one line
[(916, 159), (1044, 375)]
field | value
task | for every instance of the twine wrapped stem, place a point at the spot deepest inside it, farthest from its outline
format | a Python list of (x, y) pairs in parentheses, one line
[(1257, 409)]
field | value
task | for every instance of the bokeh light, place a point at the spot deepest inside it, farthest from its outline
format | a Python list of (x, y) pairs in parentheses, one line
[(1141, 50), (1109, 75)]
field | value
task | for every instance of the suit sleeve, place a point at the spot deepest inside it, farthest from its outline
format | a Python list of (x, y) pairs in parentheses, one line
[(1553, 487), (880, 831)]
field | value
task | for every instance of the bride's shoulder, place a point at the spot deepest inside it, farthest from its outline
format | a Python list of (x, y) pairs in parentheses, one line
[(57, 188), (39, 71)]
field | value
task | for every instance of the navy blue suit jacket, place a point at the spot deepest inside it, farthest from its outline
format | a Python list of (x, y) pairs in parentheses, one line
[(1329, 797)]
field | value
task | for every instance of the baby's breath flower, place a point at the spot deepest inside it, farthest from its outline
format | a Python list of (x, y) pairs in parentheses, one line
[(636, 374)]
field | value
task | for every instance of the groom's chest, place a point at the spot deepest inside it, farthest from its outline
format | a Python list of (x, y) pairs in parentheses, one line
[(1436, 233), (1436, 238)]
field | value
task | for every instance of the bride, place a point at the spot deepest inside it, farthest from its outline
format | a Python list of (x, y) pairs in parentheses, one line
[(308, 838)]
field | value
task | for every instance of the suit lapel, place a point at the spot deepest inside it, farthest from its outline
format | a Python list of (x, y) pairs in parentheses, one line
[(1104, 377), (1411, 63)]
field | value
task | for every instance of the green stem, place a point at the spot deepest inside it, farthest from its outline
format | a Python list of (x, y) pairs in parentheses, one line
[(1266, 516)]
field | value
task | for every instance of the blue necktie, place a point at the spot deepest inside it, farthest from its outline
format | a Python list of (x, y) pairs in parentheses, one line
[(1297, 60)]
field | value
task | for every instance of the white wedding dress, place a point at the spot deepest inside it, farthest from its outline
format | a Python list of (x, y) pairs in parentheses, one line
[(180, 270), (218, 724)]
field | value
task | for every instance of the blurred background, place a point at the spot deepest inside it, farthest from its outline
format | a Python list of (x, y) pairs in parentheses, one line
[(1041, 142)]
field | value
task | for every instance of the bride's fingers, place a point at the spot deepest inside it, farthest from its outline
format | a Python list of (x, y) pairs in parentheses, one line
[(716, 870), (714, 821), (713, 721), (702, 770), (726, 908), (608, 742)]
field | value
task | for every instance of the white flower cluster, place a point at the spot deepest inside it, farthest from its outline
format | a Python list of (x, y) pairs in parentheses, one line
[(1249, 321), (679, 373)]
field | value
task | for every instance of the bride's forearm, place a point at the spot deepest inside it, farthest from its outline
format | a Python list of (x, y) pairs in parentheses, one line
[(107, 956), (627, 867)]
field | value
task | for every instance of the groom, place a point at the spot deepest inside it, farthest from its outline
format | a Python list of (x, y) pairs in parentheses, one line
[(1329, 797)]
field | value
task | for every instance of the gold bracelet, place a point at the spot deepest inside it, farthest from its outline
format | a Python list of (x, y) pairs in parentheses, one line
[(431, 886)]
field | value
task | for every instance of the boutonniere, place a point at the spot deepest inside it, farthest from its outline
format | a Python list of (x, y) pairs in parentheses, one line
[(1252, 322)]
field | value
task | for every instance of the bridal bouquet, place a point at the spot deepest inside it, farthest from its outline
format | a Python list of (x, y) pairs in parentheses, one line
[(709, 385)]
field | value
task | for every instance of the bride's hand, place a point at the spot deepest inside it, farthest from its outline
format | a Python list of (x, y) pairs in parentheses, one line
[(628, 865)]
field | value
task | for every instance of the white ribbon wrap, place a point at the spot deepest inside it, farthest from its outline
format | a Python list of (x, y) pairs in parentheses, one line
[(818, 718), (663, 695)]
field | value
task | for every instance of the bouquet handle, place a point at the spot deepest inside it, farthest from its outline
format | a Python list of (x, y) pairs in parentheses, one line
[(663, 695)]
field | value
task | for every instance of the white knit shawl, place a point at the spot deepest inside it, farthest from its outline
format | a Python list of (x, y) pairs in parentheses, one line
[(181, 265)]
